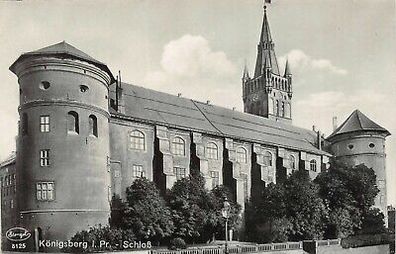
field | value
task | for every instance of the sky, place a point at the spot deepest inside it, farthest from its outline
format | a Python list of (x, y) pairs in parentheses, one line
[(341, 52)]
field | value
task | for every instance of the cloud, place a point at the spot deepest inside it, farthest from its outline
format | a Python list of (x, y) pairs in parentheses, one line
[(190, 66), (191, 56), (299, 61)]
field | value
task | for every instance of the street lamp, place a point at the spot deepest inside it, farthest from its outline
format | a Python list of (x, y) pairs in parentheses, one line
[(226, 214)]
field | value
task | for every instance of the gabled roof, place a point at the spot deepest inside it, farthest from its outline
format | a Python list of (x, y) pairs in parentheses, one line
[(155, 107), (358, 122), (64, 50)]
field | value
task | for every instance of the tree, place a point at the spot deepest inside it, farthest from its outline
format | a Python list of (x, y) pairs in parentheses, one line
[(304, 208), (146, 213), (349, 193), (196, 211)]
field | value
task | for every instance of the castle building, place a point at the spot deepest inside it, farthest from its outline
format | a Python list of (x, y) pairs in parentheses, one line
[(85, 136)]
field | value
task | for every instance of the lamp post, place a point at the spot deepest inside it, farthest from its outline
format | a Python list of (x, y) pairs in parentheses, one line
[(226, 214)]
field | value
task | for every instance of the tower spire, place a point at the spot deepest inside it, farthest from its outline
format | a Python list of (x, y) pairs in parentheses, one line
[(287, 69), (245, 75), (265, 49)]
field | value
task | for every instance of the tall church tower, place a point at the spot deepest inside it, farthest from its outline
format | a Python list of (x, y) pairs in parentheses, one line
[(267, 93)]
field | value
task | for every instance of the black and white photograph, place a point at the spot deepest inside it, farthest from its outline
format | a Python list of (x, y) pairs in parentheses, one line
[(198, 126)]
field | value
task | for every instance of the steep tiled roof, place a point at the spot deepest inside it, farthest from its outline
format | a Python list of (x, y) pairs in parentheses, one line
[(358, 122), (151, 106), (64, 50)]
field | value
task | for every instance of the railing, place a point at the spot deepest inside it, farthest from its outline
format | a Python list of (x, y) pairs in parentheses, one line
[(235, 249), (329, 242)]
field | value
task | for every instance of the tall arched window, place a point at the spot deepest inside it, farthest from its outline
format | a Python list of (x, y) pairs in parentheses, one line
[(93, 125), (292, 161), (312, 165), (137, 140), (212, 151), (241, 155), (276, 108), (267, 159), (72, 122), (178, 146), (283, 109)]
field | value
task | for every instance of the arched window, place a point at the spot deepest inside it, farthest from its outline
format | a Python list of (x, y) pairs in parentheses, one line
[(93, 125), (25, 124), (277, 108), (283, 109), (212, 151), (137, 140), (287, 110), (292, 161), (178, 146), (241, 155), (267, 159), (72, 122), (312, 165)]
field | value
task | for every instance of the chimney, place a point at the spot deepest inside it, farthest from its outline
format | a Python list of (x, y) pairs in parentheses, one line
[(319, 139), (179, 95), (314, 128), (334, 123), (208, 102)]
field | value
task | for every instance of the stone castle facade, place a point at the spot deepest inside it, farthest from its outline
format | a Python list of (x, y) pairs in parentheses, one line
[(84, 136)]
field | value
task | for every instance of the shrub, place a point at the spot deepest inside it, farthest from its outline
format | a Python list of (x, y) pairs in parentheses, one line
[(177, 243)]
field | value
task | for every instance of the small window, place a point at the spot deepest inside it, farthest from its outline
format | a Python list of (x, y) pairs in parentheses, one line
[(72, 122), (215, 175), (241, 155), (350, 146), (292, 161), (93, 125), (312, 165), (267, 159), (44, 85), (117, 173), (11, 203), (44, 123), (44, 158), (371, 145), (84, 88), (25, 124), (212, 151), (45, 191), (178, 146), (138, 171), (137, 140), (180, 173)]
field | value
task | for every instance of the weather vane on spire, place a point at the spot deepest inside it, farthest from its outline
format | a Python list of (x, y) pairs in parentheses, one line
[(265, 3)]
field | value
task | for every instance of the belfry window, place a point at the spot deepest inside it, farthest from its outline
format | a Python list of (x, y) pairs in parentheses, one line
[(44, 158), (93, 125), (72, 122), (267, 159), (212, 151), (178, 146), (137, 140), (44, 123), (241, 155), (45, 191), (313, 165)]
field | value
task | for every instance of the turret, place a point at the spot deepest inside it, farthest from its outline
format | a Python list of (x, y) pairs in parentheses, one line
[(63, 143), (359, 140)]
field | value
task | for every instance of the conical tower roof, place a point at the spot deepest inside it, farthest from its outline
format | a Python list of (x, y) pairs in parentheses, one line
[(358, 122), (266, 53), (63, 50)]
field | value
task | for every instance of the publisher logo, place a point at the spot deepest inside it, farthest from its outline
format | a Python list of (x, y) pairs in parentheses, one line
[(17, 234)]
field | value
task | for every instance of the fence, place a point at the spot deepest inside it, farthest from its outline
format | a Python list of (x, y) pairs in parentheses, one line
[(234, 249)]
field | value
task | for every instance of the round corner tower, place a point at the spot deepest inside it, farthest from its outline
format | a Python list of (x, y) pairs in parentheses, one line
[(359, 140), (63, 141)]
